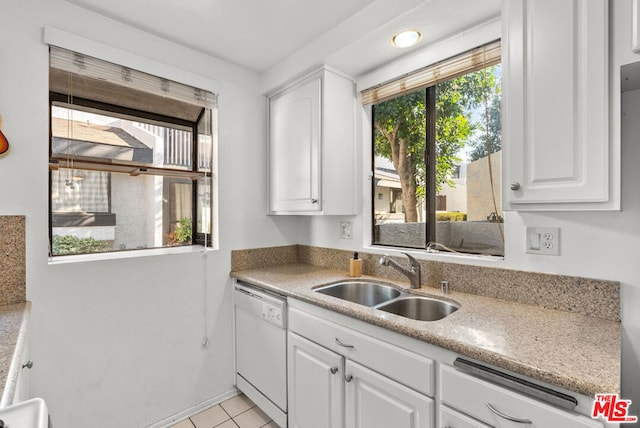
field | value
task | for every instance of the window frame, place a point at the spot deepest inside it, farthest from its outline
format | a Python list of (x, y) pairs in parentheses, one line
[(430, 179), (430, 175), (195, 174)]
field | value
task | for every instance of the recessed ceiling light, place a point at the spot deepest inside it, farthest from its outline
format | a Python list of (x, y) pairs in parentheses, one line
[(406, 39)]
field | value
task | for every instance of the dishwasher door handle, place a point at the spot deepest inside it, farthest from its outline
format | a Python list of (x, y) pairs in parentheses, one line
[(250, 294)]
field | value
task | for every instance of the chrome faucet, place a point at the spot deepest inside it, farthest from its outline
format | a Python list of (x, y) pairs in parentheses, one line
[(413, 273)]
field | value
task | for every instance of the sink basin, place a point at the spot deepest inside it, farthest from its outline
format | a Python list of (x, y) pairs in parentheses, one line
[(390, 299), (419, 308), (364, 293)]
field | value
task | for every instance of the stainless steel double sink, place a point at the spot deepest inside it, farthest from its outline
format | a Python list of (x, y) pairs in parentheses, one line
[(389, 299)]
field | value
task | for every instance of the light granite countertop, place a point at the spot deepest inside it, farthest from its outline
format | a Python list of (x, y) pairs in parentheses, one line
[(13, 325), (569, 350)]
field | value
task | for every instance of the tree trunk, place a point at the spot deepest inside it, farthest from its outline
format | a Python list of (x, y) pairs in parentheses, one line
[(403, 165)]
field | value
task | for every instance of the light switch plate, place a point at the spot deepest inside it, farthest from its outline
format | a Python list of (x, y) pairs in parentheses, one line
[(543, 240)]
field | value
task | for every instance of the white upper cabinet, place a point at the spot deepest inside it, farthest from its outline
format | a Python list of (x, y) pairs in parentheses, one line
[(312, 146), (556, 104)]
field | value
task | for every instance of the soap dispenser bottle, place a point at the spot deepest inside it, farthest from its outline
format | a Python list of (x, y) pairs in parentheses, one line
[(355, 265)]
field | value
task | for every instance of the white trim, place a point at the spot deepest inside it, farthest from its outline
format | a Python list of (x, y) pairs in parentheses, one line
[(434, 73), (128, 254), (635, 30), (73, 42), (194, 410), (431, 54)]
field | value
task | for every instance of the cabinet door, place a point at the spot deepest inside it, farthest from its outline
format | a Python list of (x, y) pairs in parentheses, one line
[(449, 418), (316, 391), (294, 139), (375, 401), (555, 104)]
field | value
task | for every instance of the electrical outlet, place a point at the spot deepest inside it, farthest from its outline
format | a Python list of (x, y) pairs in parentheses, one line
[(543, 240), (345, 230)]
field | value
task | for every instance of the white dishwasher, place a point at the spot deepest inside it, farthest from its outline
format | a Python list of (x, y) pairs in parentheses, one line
[(261, 349)]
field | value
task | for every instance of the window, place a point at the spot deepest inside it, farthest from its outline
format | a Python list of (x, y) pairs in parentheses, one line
[(130, 158), (437, 157)]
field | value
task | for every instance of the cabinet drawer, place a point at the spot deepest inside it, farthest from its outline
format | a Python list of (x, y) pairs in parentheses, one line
[(450, 418), (474, 396), (406, 367)]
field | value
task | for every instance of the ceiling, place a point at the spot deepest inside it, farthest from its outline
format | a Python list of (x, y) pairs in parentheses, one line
[(352, 35)]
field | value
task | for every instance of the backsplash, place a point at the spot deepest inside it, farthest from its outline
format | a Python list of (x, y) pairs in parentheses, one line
[(592, 297), (12, 260)]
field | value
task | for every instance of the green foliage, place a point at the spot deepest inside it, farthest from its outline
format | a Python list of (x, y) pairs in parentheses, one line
[(400, 131), (401, 121), (183, 230), (489, 120), (70, 244), (182, 233), (451, 216), (401, 126)]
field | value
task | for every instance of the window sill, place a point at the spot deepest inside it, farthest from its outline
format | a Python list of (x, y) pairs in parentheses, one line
[(436, 255), (80, 258)]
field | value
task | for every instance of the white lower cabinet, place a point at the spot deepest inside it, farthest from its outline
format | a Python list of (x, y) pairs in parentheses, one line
[(363, 376), (328, 391), (339, 377), (501, 407), (316, 390), (449, 418), (375, 401)]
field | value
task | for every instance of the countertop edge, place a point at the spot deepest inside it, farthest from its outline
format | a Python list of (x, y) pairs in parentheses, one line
[(16, 361)]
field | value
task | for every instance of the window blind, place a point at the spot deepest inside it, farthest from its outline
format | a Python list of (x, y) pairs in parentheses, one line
[(467, 62), (77, 75)]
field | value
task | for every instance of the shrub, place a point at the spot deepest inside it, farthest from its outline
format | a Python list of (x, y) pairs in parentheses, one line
[(70, 244), (182, 234)]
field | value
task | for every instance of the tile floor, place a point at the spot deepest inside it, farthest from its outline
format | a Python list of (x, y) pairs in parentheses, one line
[(236, 412)]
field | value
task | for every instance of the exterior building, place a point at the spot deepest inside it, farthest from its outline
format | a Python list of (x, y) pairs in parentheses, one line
[(471, 192), (98, 204)]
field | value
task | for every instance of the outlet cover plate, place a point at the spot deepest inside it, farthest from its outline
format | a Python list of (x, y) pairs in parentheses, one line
[(543, 240), (346, 230)]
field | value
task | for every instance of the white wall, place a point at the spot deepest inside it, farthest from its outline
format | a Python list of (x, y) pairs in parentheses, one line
[(602, 245), (118, 342), (135, 225)]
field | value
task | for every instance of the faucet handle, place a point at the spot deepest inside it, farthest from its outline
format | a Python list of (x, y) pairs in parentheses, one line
[(414, 263)]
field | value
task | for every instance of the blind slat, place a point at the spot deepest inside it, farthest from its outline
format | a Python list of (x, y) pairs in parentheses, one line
[(467, 62), (93, 68)]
